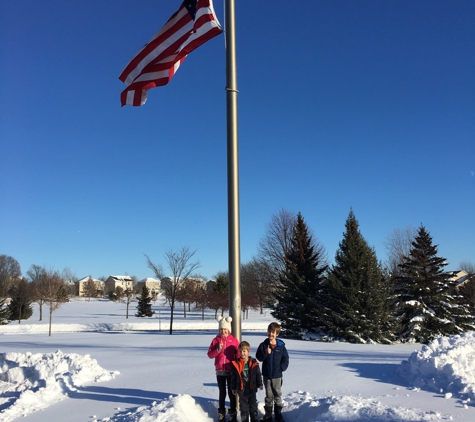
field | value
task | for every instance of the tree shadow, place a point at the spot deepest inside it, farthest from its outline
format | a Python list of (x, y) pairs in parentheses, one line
[(380, 372)]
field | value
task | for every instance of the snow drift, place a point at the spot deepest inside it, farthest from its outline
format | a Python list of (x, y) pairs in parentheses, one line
[(31, 382), (446, 365)]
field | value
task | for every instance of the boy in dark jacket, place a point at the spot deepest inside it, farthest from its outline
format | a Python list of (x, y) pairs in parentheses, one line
[(275, 360), (246, 379)]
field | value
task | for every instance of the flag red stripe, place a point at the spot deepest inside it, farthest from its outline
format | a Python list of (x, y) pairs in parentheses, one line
[(157, 62), (160, 46)]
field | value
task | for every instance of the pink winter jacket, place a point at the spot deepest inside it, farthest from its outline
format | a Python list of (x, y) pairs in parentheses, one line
[(229, 352)]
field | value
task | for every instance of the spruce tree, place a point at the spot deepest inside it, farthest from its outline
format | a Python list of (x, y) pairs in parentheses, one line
[(426, 305), (359, 307), (299, 294), (144, 306), (4, 313)]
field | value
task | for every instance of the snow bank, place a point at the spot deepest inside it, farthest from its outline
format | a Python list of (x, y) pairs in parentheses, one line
[(303, 407), (181, 408), (31, 382), (124, 326), (445, 365), (299, 407)]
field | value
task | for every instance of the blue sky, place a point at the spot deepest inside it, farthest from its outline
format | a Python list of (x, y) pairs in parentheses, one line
[(362, 104)]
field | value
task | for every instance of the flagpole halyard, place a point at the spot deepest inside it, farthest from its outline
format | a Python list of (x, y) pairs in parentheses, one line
[(233, 171)]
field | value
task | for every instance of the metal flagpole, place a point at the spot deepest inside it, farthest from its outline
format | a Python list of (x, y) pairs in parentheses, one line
[(233, 172)]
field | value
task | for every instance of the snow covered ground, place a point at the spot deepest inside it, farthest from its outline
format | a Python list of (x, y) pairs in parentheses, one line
[(99, 366)]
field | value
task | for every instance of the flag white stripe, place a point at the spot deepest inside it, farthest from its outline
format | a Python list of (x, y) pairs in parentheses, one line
[(152, 68), (159, 49)]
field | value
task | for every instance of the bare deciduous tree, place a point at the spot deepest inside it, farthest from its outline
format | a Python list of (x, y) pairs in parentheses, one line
[(201, 300), (54, 291), (37, 275), (275, 243), (187, 293), (129, 296), (9, 272), (467, 266), (181, 268), (257, 279), (398, 244)]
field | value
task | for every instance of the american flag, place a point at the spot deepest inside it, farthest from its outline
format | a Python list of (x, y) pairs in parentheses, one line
[(192, 25)]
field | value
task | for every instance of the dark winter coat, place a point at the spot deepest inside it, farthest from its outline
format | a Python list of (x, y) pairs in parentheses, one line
[(277, 362), (255, 377)]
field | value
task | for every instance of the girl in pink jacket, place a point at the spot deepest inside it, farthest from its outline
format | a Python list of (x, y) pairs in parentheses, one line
[(224, 349)]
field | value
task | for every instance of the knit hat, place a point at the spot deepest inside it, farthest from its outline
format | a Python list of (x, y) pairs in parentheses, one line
[(225, 322)]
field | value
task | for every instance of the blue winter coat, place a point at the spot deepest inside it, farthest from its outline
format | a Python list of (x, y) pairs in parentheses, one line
[(275, 363)]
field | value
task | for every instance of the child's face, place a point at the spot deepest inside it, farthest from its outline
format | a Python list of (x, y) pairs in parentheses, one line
[(245, 353), (223, 332), (272, 335)]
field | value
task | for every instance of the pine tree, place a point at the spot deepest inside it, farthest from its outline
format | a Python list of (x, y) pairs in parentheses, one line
[(359, 307), (4, 313), (426, 305), (299, 294), (144, 306)]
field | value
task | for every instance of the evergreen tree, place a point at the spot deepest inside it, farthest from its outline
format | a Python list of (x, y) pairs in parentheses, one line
[(298, 296), (20, 304), (359, 295), (4, 313), (144, 306), (426, 305)]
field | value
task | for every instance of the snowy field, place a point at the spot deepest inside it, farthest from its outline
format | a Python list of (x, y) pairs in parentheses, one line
[(100, 366)]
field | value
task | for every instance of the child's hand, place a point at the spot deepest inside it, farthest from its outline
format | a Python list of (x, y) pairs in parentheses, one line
[(220, 346), (234, 392), (269, 350), (261, 387)]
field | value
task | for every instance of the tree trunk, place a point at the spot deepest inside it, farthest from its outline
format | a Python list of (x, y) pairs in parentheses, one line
[(50, 318), (40, 303), (172, 305)]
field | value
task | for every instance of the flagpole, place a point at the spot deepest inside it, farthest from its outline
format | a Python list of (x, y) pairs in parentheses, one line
[(233, 172)]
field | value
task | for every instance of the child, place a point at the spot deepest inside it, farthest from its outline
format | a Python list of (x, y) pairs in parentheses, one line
[(245, 380), (224, 349), (275, 360)]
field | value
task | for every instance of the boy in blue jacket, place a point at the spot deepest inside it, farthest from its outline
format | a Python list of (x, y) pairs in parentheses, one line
[(275, 360)]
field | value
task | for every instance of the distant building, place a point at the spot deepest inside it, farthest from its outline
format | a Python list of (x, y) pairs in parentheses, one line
[(153, 285), (79, 286), (460, 277), (114, 281), (210, 285), (167, 281), (200, 283)]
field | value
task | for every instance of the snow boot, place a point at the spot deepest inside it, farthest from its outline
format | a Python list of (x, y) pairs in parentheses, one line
[(232, 415), (244, 417), (221, 414), (268, 415), (278, 414)]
